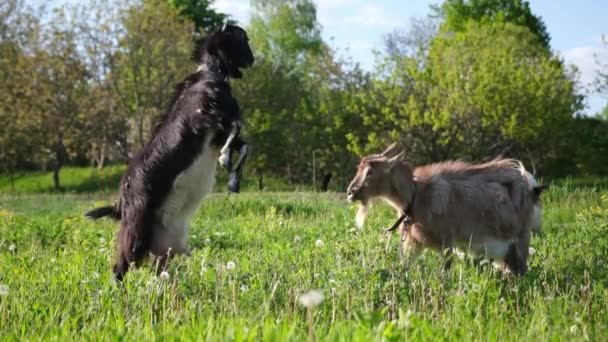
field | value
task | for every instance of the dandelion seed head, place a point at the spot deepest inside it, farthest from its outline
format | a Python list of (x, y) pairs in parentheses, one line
[(164, 275), (319, 243), (531, 250), (230, 265), (311, 298), (102, 241), (12, 248), (244, 288)]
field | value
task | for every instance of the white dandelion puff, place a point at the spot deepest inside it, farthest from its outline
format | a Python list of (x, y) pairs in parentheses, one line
[(244, 288), (531, 250), (164, 275), (311, 298), (102, 241), (12, 248), (319, 243), (230, 265), (3, 290)]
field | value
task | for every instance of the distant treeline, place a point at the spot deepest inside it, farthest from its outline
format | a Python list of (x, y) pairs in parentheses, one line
[(85, 84)]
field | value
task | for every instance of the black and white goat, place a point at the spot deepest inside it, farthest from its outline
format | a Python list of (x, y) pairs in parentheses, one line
[(167, 179)]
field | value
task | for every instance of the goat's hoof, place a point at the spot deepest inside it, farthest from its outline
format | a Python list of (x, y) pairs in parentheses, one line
[(234, 184)]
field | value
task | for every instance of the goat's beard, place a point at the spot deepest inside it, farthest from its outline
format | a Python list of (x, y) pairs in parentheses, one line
[(361, 214)]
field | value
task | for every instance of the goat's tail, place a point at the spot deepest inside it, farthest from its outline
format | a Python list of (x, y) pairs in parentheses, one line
[(110, 210)]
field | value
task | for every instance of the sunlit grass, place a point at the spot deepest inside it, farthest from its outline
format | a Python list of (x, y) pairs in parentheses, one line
[(255, 254)]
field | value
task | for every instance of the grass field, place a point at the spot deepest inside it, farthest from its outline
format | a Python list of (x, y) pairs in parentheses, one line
[(55, 266)]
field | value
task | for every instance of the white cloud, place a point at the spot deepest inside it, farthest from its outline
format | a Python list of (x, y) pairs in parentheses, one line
[(585, 58), (237, 9), (373, 16)]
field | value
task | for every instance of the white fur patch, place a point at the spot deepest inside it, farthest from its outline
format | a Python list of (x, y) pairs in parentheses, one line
[(361, 215), (532, 183), (490, 249), (184, 199)]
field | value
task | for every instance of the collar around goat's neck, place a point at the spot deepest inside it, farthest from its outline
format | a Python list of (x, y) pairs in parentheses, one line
[(406, 213)]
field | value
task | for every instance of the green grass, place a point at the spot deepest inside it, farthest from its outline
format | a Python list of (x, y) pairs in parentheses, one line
[(60, 284), (71, 179), (88, 180)]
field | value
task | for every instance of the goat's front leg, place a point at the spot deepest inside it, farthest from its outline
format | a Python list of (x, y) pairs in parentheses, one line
[(234, 184), (226, 152)]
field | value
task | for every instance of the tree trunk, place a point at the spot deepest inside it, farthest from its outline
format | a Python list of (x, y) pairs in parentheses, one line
[(326, 179), (289, 174), (102, 155), (260, 176), (60, 155)]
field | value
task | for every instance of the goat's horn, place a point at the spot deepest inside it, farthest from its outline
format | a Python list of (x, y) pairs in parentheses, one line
[(391, 149)]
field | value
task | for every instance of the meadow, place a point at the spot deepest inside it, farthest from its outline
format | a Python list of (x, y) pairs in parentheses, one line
[(256, 253)]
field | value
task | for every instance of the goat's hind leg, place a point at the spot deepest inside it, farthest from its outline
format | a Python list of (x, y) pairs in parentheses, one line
[(234, 184)]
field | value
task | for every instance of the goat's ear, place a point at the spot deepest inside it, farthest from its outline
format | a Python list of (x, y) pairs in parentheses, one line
[(391, 149), (394, 160)]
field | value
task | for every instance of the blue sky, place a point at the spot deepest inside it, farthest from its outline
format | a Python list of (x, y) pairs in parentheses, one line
[(576, 28)]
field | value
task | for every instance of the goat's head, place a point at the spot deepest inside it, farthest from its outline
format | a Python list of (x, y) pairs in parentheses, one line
[(231, 44), (376, 176)]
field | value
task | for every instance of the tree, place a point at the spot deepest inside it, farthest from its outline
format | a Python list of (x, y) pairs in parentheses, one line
[(65, 83), (152, 56), (20, 30), (601, 81), (285, 32), (201, 13), (273, 93), (457, 13), (481, 92)]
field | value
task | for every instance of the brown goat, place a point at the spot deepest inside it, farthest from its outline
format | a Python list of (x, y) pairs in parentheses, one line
[(488, 209)]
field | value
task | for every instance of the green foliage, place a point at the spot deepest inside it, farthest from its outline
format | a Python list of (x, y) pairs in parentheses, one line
[(457, 14), (205, 18), (145, 87), (477, 93), (74, 180), (59, 278), (285, 32)]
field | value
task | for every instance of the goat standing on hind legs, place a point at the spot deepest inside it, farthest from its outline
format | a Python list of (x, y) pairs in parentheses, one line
[(167, 179), (489, 209)]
